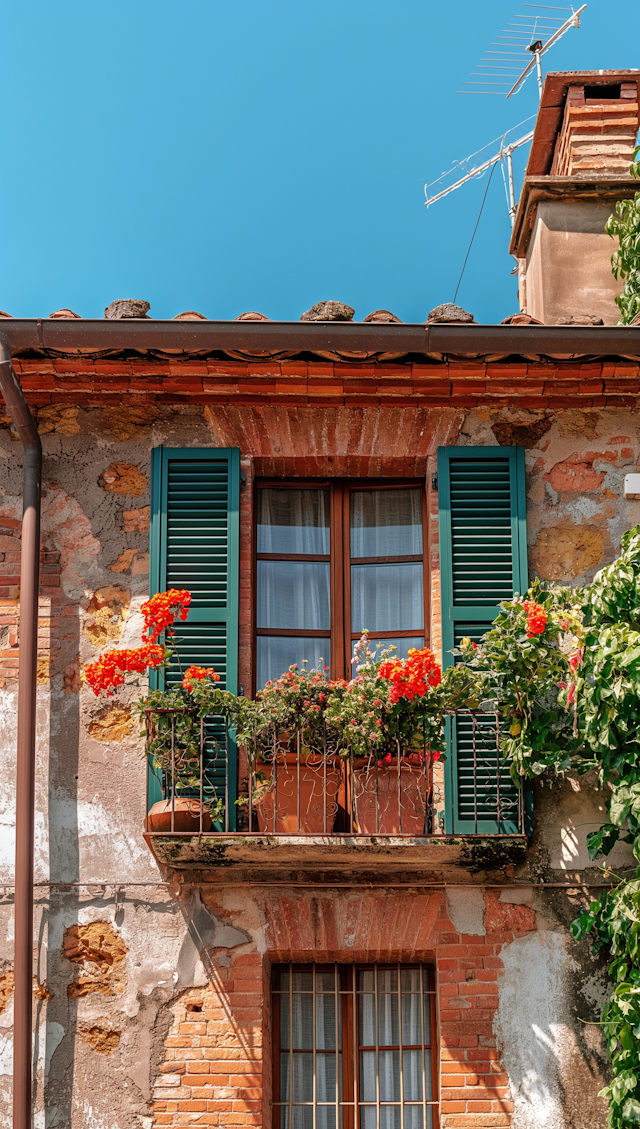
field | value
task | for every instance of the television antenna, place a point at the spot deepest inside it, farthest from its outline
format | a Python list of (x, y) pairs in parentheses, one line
[(524, 42)]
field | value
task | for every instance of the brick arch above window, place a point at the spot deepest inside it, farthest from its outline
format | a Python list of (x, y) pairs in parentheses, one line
[(367, 441)]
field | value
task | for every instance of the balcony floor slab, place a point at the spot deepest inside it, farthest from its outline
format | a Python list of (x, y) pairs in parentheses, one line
[(232, 858)]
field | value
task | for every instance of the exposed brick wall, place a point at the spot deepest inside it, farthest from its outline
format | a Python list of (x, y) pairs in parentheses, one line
[(213, 1070), (597, 137), (458, 384), (217, 1064), (51, 608)]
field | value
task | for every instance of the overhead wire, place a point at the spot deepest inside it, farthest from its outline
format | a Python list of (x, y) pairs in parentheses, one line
[(493, 167)]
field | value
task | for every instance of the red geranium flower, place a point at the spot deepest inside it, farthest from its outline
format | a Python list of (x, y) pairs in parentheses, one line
[(536, 618), (161, 611), (198, 674)]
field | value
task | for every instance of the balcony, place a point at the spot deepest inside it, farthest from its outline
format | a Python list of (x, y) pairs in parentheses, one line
[(306, 807)]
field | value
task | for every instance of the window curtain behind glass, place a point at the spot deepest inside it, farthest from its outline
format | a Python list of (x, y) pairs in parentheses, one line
[(413, 1007), (386, 523), (293, 521)]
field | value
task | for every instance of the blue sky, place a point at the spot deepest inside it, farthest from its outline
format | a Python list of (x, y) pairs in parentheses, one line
[(259, 154)]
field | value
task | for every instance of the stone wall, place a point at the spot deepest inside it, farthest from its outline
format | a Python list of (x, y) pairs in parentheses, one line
[(126, 955)]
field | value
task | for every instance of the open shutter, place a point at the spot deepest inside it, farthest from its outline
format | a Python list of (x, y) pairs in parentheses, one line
[(195, 545), (483, 560)]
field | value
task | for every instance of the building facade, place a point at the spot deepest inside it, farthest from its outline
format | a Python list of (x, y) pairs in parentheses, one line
[(305, 481)]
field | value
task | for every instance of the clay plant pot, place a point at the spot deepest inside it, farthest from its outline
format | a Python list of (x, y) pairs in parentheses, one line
[(186, 816), (369, 795), (282, 795)]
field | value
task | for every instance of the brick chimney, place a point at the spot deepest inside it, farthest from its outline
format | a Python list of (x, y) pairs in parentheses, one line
[(583, 144)]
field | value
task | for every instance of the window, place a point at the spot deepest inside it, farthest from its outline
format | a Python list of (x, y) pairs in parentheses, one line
[(333, 559), (354, 1047)]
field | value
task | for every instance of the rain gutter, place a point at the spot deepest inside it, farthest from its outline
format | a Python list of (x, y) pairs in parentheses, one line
[(85, 335), (26, 750)]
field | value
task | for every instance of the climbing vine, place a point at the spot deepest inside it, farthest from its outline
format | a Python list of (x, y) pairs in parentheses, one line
[(569, 691), (625, 262)]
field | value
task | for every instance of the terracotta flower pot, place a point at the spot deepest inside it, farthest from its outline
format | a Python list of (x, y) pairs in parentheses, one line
[(186, 816), (369, 796), (283, 795)]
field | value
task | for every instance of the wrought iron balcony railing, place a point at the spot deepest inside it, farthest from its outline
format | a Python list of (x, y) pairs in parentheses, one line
[(301, 784)]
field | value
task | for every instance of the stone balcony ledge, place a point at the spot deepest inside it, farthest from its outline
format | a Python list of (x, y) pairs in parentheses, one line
[(229, 858)]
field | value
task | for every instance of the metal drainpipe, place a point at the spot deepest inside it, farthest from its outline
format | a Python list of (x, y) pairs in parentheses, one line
[(18, 409)]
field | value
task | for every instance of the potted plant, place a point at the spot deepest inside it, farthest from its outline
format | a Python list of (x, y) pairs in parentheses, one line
[(173, 718), (293, 753), (391, 723)]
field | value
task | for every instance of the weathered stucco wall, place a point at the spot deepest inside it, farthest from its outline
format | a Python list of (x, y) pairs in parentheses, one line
[(150, 990)]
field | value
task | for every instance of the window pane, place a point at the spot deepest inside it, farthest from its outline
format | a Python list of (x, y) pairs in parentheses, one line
[(326, 1022), (367, 1020), (390, 1117), (303, 1077), (368, 1118), (302, 1117), (276, 653), (389, 1076), (388, 1024), (293, 594), (410, 980), (326, 1117), (386, 597), (293, 521), (414, 1117), (387, 980), (411, 1020), (368, 1076), (326, 1077), (412, 1074), (386, 523)]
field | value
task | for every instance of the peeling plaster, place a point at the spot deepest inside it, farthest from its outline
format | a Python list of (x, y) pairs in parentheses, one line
[(466, 910), (552, 1084)]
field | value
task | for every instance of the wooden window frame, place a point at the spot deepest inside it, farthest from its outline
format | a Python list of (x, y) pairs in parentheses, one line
[(346, 979), (340, 562)]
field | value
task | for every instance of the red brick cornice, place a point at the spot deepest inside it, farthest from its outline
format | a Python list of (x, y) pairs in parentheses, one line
[(534, 384)]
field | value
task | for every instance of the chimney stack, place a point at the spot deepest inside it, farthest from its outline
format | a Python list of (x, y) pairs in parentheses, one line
[(582, 147)]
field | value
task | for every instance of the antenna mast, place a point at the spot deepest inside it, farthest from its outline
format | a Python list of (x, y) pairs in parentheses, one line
[(504, 75)]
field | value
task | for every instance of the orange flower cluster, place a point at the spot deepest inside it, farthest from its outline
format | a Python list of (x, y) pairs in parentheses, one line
[(161, 611), (536, 618), (198, 674), (410, 677), (109, 670)]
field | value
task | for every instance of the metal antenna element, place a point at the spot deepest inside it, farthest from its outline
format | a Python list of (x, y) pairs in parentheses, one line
[(533, 33), (505, 154), (537, 30)]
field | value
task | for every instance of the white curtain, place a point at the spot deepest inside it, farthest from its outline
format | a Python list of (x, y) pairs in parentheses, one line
[(386, 597), (388, 1024), (302, 1035), (293, 521), (276, 653), (294, 594), (386, 523)]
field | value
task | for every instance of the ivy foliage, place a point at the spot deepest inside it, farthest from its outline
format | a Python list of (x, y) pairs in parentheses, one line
[(527, 679), (570, 696), (625, 262)]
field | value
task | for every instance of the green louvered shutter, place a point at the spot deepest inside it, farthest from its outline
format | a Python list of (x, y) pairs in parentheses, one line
[(483, 560), (195, 545)]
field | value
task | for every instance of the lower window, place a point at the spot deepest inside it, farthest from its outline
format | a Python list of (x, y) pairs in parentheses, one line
[(354, 1047)]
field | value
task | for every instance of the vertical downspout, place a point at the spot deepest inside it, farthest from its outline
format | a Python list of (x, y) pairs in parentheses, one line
[(21, 417)]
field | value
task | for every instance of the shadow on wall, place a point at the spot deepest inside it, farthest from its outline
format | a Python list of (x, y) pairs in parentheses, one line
[(59, 908), (554, 1061)]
